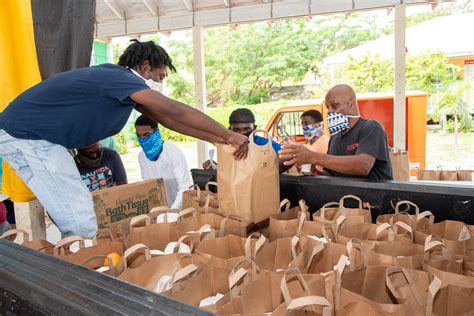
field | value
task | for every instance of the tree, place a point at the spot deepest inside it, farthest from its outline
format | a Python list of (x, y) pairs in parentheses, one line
[(452, 102), (371, 73)]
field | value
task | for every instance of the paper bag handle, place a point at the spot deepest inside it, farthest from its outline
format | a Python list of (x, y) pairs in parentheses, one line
[(110, 263), (196, 188), (258, 244), (355, 244), (236, 275), (184, 272), (408, 278), (209, 184), (135, 249), (326, 206), (59, 249), (182, 239), (427, 214), (431, 243), (226, 219), (433, 289), (138, 219), (397, 206), (266, 135), (340, 267), (104, 232), (285, 203), (317, 249), (385, 226), (306, 300), (342, 200), (294, 242), (189, 210), (301, 218), (406, 227), (16, 232)]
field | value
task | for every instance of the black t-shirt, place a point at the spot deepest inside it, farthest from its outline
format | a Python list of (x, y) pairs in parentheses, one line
[(108, 173), (366, 137)]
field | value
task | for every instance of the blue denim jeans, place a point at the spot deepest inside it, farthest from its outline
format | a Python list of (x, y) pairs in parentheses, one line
[(50, 172)]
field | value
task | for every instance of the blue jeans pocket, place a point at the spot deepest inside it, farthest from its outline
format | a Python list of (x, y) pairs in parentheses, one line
[(18, 162)]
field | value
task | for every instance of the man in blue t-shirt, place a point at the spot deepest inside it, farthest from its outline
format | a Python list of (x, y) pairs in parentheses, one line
[(242, 121), (77, 108)]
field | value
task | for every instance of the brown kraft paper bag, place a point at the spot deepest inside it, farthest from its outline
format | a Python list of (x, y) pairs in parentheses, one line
[(288, 293), (400, 165), (249, 188), (394, 290), (227, 251), (416, 221), (287, 223), (39, 244)]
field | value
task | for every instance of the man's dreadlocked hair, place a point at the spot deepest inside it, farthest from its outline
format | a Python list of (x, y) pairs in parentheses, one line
[(138, 52)]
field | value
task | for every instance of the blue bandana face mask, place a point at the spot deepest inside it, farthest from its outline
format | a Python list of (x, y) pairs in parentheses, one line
[(152, 145), (338, 122), (313, 132)]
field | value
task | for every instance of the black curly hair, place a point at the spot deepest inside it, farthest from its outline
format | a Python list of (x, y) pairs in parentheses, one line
[(137, 52)]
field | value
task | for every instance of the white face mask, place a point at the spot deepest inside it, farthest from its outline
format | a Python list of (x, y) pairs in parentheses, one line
[(157, 86)]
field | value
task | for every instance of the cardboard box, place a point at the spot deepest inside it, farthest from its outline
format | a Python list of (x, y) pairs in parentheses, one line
[(120, 202)]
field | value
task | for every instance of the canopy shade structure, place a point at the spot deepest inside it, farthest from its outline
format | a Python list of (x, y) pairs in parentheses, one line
[(128, 17)]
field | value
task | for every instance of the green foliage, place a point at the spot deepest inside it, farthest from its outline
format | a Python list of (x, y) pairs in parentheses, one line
[(243, 65), (371, 73), (425, 69), (121, 140), (452, 102)]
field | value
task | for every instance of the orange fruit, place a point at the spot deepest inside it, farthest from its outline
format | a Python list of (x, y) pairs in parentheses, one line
[(115, 257)]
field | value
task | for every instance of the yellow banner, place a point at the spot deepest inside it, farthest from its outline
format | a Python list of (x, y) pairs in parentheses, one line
[(20, 71)]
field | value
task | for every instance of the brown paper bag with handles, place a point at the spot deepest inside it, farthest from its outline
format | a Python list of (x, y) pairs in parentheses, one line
[(282, 294), (148, 274), (465, 175), (416, 221), (194, 196), (154, 236), (40, 245), (227, 251), (94, 257), (392, 289), (400, 165), (249, 188), (329, 213), (191, 220), (201, 284), (448, 268), (454, 234), (287, 223), (322, 258), (451, 300), (278, 254), (397, 253), (448, 175), (428, 175), (357, 215)]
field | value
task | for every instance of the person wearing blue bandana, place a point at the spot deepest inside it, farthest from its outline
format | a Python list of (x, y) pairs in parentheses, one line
[(358, 147), (160, 159)]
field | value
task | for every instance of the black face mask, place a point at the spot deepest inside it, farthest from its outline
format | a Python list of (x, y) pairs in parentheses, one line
[(86, 161)]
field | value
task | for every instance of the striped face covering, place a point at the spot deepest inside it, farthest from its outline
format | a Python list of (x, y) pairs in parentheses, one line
[(338, 122)]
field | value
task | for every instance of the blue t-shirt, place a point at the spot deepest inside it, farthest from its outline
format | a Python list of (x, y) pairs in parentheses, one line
[(74, 108), (259, 140)]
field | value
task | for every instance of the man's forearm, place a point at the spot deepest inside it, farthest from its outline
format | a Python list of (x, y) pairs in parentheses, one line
[(350, 165), (181, 128), (157, 106)]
